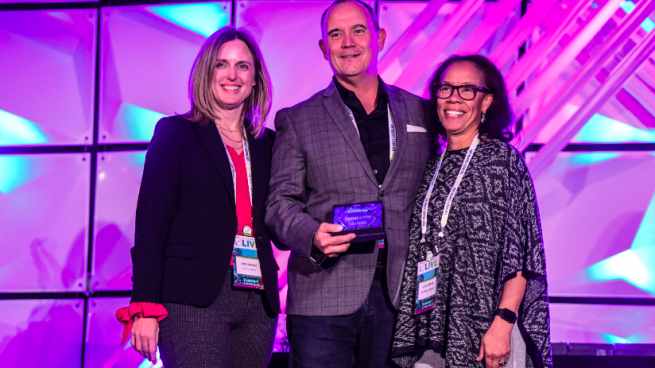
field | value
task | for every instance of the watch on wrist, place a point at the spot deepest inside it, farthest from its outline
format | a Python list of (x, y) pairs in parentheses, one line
[(506, 315)]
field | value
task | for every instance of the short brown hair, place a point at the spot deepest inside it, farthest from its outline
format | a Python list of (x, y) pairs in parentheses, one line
[(202, 99)]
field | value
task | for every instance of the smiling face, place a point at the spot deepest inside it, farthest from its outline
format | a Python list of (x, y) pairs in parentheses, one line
[(459, 116), (350, 41), (234, 75)]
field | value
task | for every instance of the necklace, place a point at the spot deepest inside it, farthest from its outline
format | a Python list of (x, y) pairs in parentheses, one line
[(236, 148), (235, 141), (226, 129)]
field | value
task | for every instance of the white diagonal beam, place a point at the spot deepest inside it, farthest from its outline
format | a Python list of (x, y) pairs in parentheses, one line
[(619, 76), (529, 62), (585, 73), (488, 26), (438, 42), (564, 58), (420, 22), (535, 15)]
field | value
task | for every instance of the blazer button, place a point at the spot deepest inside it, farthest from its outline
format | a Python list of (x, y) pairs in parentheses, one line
[(260, 238), (382, 193)]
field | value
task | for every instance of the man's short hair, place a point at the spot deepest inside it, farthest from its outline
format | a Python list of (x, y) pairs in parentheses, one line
[(337, 2)]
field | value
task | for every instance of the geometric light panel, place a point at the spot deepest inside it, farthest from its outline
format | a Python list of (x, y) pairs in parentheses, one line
[(615, 324), (117, 188), (44, 205), (147, 52), (601, 128), (41, 333), (598, 216), (47, 69), (396, 16)]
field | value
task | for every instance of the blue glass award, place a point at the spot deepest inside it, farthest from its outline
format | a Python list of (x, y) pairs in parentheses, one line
[(366, 220)]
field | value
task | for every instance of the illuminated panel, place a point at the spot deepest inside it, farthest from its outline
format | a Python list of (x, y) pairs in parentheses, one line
[(117, 188), (396, 16), (44, 202), (147, 52), (42, 1), (614, 124), (47, 69), (598, 218), (615, 324), (288, 35), (103, 342), (41, 333)]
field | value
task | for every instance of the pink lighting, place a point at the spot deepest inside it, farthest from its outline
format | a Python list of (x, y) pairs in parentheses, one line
[(67, 202)]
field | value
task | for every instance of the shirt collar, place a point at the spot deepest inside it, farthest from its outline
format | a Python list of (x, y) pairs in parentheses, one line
[(349, 96)]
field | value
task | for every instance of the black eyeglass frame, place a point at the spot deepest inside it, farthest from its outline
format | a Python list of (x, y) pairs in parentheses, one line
[(482, 89)]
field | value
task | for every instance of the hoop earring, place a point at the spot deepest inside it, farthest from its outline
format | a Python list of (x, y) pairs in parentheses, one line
[(483, 119)]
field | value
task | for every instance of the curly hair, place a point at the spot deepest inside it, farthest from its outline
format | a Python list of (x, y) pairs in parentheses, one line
[(499, 116)]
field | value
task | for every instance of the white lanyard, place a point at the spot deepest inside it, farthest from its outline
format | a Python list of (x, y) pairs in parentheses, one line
[(392, 131), (451, 195), (246, 157)]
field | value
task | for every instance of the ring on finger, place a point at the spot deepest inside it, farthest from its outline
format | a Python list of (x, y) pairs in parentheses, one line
[(502, 364)]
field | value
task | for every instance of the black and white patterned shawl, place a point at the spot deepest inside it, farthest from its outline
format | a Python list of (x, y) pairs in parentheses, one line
[(493, 232)]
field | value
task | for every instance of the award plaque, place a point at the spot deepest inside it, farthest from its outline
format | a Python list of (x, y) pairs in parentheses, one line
[(366, 220)]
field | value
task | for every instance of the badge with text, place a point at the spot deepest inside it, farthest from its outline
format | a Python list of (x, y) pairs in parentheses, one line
[(247, 272), (427, 276)]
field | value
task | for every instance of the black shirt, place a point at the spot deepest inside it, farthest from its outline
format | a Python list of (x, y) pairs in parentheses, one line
[(373, 128)]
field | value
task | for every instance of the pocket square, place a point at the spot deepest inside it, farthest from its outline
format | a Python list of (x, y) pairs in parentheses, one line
[(415, 129)]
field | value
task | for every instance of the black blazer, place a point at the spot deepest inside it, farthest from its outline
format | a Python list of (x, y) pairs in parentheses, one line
[(186, 216)]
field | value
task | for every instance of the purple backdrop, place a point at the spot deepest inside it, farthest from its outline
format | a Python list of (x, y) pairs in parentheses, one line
[(597, 208)]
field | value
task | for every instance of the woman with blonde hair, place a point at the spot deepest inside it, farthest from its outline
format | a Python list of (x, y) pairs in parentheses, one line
[(205, 280)]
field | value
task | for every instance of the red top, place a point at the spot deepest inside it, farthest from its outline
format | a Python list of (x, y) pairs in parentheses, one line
[(244, 209), (126, 315)]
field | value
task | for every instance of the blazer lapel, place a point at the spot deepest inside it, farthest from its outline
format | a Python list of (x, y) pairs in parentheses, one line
[(214, 144), (400, 119), (337, 110)]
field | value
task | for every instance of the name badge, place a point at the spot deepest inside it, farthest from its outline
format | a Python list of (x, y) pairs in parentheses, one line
[(247, 272), (427, 276)]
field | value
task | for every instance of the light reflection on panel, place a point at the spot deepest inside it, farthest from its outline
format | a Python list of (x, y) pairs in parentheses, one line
[(288, 35), (396, 16), (147, 52), (103, 342), (616, 324), (47, 69), (598, 218), (44, 204), (117, 187), (612, 124), (42, 1), (41, 333)]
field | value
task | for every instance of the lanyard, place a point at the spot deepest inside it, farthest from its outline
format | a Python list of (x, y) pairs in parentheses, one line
[(392, 131), (246, 157), (451, 195)]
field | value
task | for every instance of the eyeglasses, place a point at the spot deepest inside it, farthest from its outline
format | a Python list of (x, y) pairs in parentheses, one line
[(466, 92)]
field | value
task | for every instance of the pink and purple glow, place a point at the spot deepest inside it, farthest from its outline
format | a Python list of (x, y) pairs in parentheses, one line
[(597, 208)]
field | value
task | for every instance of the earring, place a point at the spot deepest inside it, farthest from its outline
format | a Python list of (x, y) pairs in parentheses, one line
[(482, 120)]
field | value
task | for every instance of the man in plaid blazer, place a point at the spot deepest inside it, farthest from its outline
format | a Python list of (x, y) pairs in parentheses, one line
[(342, 296)]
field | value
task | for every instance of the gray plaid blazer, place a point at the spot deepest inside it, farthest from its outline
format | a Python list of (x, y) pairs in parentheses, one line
[(318, 162)]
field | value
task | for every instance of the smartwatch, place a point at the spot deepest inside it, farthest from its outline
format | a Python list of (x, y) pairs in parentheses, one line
[(506, 315)]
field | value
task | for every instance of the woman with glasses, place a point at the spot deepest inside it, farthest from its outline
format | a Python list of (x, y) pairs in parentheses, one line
[(474, 289)]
